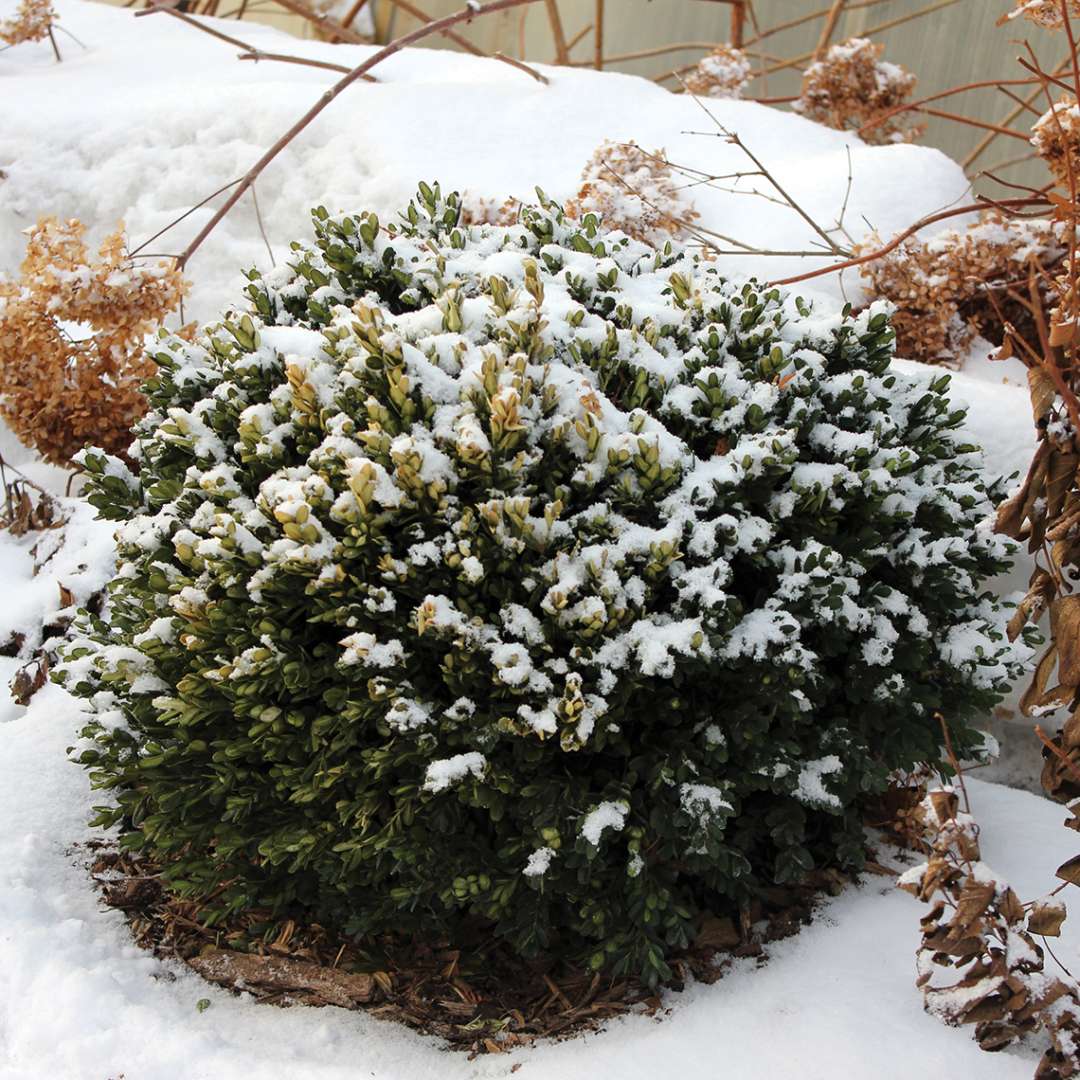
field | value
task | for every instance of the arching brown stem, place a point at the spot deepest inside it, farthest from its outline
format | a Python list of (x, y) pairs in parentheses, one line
[(897, 240), (328, 97)]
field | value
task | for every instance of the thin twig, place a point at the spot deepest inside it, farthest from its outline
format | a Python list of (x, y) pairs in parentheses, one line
[(984, 124), (1019, 101), (738, 23), (579, 37), (981, 147), (262, 227), (325, 65), (897, 240), (55, 47), (653, 50), (562, 54), (521, 67), (598, 36), (424, 17), (733, 138), (884, 117), (829, 28), (329, 96), (953, 760), (65, 30), (355, 10), (331, 27), (1008, 163), (870, 31), (801, 20), (847, 197), (185, 18), (186, 213)]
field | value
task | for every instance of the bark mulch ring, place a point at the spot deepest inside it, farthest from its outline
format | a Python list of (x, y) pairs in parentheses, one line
[(477, 996)]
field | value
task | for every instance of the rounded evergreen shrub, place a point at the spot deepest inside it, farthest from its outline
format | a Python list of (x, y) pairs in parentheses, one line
[(533, 575)]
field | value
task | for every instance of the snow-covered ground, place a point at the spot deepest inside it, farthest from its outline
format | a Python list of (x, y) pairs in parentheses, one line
[(151, 117), (79, 1002)]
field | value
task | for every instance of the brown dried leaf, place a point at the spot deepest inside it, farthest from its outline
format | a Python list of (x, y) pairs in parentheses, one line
[(29, 680), (1046, 916), (975, 898), (945, 804), (1065, 629), (1030, 609), (1011, 908), (1037, 688), (1060, 480), (1063, 333), (1070, 871), (1013, 513), (1043, 393)]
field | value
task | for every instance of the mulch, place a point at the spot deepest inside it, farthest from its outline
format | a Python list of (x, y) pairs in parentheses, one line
[(474, 994)]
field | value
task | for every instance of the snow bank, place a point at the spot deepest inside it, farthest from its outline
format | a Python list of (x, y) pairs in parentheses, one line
[(154, 116)]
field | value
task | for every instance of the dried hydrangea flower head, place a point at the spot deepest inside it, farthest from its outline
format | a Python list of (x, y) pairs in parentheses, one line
[(31, 22), (1056, 138), (724, 73), (851, 85), (482, 210), (71, 340), (950, 288), (633, 191), (1046, 13)]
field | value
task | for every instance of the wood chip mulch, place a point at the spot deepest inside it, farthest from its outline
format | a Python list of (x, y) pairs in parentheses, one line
[(475, 995)]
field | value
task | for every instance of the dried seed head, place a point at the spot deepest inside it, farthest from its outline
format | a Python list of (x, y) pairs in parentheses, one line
[(950, 288), (31, 22), (71, 340), (481, 210), (1046, 13), (723, 73), (634, 191), (1056, 138), (851, 85)]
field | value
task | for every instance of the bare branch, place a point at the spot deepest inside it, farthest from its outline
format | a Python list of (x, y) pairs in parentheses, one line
[(329, 96)]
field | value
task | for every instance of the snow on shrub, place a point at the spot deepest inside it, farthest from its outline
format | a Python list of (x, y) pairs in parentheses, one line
[(529, 573)]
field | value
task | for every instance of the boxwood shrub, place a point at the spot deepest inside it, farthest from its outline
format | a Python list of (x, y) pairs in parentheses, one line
[(529, 575)]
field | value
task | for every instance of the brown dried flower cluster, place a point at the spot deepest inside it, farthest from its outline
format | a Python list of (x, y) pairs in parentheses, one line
[(723, 73), (952, 287), (634, 191), (851, 85), (978, 962), (480, 210), (1056, 138), (31, 22), (1046, 13), (71, 340)]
